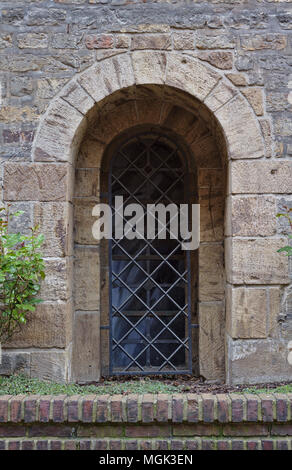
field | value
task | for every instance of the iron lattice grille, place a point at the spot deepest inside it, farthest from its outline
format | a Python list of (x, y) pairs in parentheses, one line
[(150, 330)]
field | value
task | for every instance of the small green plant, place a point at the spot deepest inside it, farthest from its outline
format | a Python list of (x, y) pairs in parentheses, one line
[(287, 214), (21, 272)]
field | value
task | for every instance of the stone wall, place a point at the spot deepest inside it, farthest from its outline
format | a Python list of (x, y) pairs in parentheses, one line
[(146, 422), (61, 63)]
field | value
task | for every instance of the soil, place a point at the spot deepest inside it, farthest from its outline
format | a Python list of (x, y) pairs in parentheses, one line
[(190, 384)]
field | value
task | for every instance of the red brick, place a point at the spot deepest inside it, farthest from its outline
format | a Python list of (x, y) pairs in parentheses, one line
[(100, 444), (237, 403), (161, 445), (14, 445), (58, 406), (281, 430), (252, 408), (237, 445), (241, 430), (102, 414), (281, 407), (224, 445), (115, 445), (4, 399), (176, 445), (208, 444), (27, 445), (56, 445), (2, 445), (252, 445), (132, 408), (267, 406), (196, 430), (116, 408), (50, 430), (87, 409), (194, 444), (131, 445), (70, 445), (44, 409), (282, 445), (148, 431), (10, 430), (145, 445), (177, 408), (162, 407), (223, 408), (208, 408), (72, 409), (267, 444), (193, 408), (42, 445), (30, 409), (16, 404), (85, 445), (147, 408)]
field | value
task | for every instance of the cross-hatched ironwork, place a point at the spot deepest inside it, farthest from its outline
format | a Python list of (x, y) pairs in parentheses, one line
[(150, 330)]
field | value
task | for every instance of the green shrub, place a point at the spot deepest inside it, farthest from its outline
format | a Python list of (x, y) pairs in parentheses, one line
[(21, 272)]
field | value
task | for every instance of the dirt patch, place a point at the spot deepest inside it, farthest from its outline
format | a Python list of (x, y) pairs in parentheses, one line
[(190, 384)]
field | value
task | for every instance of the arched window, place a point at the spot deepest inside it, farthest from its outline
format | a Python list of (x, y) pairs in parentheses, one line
[(149, 291)]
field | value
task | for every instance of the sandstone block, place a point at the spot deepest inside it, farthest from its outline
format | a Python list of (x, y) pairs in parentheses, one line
[(86, 278), (50, 365), (32, 41), (36, 182), (241, 129), (57, 284), (188, 74), (261, 177), (48, 327), (75, 95), (255, 98), (211, 273), (221, 94), (211, 340), (251, 216), (83, 221), (256, 42), (220, 59), (256, 261), (86, 350), (151, 41), (55, 222), (246, 312)]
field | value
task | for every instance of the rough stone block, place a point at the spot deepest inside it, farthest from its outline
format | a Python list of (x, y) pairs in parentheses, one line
[(246, 312), (55, 222), (189, 74), (256, 261), (260, 177), (48, 327), (86, 278), (251, 216), (211, 273), (211, 340), (242, 132), (86, 350), (36, 182)]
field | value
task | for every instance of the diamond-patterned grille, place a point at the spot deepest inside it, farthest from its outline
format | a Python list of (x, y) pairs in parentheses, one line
[(149, 298)]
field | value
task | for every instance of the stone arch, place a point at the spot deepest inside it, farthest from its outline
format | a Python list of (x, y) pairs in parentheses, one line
[(113, 82), (63, 125)]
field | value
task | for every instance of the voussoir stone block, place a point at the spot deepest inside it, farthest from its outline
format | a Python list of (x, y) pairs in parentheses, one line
[(36, 181), (60, 133), (246, 312), (243, 135), (108, 76), (221, 94), (190, 75), (256, 261), (77, 97), (149, 67), (261, 177)]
